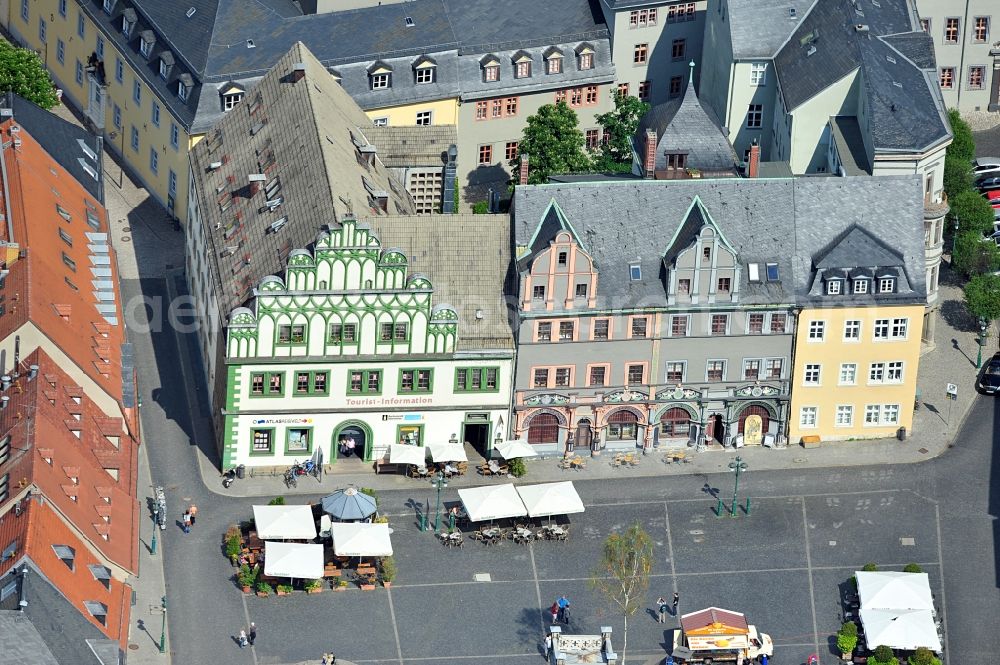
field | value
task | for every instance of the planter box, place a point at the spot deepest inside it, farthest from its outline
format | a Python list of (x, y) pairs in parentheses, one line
[(261, 594), (340, 588), (367, 587), (246, 589), (386, 584), (319, 590)]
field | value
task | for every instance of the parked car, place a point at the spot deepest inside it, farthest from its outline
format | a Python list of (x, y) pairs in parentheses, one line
[(983, 165), (988, 182), (992, 195), (989, 378)]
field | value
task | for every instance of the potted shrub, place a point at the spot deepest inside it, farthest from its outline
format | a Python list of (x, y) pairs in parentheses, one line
[(277, 501), (388, 571), (912, 568), (233, 546), (314, 586), (246, 577), (883, 655), (264, 589), (284, 589), (341, 585), (870, 567), (516, 467), (847, 639), (924, 656)]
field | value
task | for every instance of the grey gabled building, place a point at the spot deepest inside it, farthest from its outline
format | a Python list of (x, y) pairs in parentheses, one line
[(665, 312)]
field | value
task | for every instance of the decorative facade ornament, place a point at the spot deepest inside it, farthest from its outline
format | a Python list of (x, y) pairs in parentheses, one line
[(546, 399), (626, 396), (757, 391), (678, 393)]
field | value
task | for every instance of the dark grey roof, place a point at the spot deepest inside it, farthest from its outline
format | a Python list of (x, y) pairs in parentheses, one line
[(308, 135), (846, 134), (857, 252), (467, 259), (413, 145), (482, 26), (687, 125), (785, 221), (917, 46), (904, 103), (774, 170), (758, 28), (61, 140)]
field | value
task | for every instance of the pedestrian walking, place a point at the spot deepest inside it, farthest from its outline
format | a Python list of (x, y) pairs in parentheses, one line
[(555, 612), (243, 638), (186, 521), (192, 511), (661, 606), (677, 599), (548, 647), (563, 603), (329, 659), (253, 633)]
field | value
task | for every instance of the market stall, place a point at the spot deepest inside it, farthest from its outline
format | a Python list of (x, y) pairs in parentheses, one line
[(492, 502), (295, 560), (284, 522), (360, 539), (550, 499)]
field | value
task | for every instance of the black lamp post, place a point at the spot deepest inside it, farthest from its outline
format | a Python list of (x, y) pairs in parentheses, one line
[(982, 340), (439, 483), (737, 466), (163, 625)]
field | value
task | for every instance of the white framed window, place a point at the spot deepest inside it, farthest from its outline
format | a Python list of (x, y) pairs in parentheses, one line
[(810, 376), (817, 331), (833, 287), (886, 285), (876, 373), (423, 118), (183, 91), (848, 374), (890, 414), (676, 371), (894, 372), (852, 330), (425, 75), (145, 48), (845, 415), (861, 286), (230, 101), (881, 329), (380, 122), (873, 414), (899, 327), (758, 73), (380, 81), (164, 70), (807, 416)]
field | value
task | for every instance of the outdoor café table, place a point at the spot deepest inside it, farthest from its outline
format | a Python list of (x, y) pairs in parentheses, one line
[(254, 544), (494, 467)]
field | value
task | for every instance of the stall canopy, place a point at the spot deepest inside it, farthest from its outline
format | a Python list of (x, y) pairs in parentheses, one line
[(360, 539), (400, 453), (304, 561), (551, 499), (514, 449), (284, 522), (492, 502), (448, 452), (349, 504), (894, 590), (901, 629)]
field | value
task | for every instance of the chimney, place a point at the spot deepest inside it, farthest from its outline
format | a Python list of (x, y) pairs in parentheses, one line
[(5, 382), (523, 173), (649, 165), (298, 72), (753, 166), (32, 372), (3, 402)]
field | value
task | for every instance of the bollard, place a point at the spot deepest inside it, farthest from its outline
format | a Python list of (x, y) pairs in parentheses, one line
[(718, 509), (423, 522), (748, 507)]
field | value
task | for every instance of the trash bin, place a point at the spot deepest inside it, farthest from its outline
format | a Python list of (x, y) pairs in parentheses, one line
[(901, 434), (241, 471)]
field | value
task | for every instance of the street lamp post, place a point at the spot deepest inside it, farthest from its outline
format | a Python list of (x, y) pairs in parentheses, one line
[(737, 466), (982, 340), (163, 625), (156, 524), (439, 483), (954, 240)]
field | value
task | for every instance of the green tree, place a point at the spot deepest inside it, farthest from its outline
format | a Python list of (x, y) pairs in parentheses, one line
[(973, 212), (847, 637), (963, 146), (982, 296), (957, 176), (870, 567), (623, 574), (924, 656), (958, 157), (883, 656), (22, 72), (974, 254), (619, 128), (553, 143)]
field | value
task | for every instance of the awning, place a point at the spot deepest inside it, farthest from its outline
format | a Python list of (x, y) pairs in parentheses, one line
[(360, 539), (492, 502), (349, 504), (284, 522), (894, 590), (551, 499), (304, 561), (514, 449), (448, 452), (400, 453), (901, 629)]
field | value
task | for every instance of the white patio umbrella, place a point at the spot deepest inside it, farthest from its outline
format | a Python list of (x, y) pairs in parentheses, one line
[(551, 499), (886, 589), (492, 502), (900, 629), (360, 539), (400, 453), (515, 448), (284, 522), (304, 561), (448, 452)]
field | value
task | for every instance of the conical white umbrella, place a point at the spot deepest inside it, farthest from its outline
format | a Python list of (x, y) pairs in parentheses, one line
[(400, 453), (448, 452), (551, 499), (493, 502), (514, 449), (901, 629), (887, 589)]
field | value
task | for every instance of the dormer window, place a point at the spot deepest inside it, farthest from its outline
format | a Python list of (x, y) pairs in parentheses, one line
[(553, 61), (129, 18), (491, 68), (166, 63), (425, 75), (184, 85), (861, 286), (229, 101), (522, 65), (585, 56), (634, 272), (109, 6), (886, 284), (676, 160), (833, 287), (380, 76), (424, 71), (147, 39)]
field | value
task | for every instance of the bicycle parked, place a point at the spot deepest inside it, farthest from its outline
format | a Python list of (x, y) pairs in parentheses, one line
[(307, 468)]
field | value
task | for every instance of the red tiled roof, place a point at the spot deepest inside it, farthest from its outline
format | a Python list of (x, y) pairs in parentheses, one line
[(50, 278), (30, 418), (705, 618), (39, 526)]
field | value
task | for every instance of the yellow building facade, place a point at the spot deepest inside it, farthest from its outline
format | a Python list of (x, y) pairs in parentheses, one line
[(442, 112), (855, 371)]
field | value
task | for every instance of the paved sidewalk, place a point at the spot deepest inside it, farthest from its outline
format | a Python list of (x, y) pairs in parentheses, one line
[(952, 360)]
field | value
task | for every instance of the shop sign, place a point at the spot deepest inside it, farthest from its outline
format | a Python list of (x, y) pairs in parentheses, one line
[(282, 421)]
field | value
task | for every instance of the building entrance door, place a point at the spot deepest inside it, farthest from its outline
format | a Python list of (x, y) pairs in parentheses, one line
[(585, 434), (95, 102), (478, 434), (716, 428)]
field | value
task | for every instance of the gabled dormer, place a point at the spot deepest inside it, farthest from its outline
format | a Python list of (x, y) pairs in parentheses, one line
[(424, 70), (559, 273), (490, 65), (701, 266), (522, 64), (858, 265), (553, 60)]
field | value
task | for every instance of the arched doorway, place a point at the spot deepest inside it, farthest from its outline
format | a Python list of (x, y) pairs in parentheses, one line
[(354, 430), (543, 428), (623, 425), (675, 423), (716, 429), (585, 433), (753, 424)]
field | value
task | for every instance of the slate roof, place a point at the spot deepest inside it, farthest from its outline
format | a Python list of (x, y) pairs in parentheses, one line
[(785, 221), (846, 133), (688, 125), (917, 47), (758, 28), (211, 45), (413, 145), (60, 139), (905, 108), (309, 138), (468, 261)]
